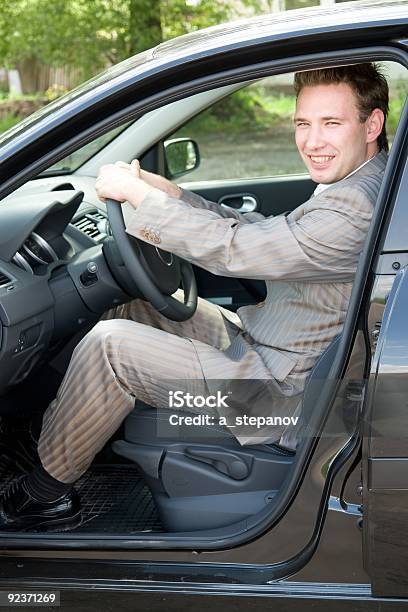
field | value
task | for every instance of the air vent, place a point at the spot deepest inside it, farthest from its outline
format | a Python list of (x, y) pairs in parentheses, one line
[(4, 279), (93, 225)]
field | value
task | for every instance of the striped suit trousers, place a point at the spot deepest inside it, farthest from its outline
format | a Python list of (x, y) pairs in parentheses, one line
[(132, 352)]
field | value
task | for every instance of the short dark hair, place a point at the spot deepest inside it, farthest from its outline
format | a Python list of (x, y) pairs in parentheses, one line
[(367, 82)]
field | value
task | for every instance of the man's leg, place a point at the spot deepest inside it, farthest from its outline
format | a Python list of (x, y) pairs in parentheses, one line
[(210, 323), (116, 362), (133, 352)]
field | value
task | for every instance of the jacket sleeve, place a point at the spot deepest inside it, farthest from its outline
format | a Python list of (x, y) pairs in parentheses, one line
[(323, 244)]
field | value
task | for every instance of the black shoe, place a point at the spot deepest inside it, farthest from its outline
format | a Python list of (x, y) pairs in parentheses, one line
[(20, 511)]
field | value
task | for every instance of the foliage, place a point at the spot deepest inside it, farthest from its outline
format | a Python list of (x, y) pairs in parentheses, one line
[(253, 108), (182, 16), (396, 105), (265, 6), (87, 35), (55, 91), (91, 35), (7, 97), (8, 121)]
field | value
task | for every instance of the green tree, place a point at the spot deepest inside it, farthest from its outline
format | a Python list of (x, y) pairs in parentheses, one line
[(79, 33), (183, 16), (92, 34)]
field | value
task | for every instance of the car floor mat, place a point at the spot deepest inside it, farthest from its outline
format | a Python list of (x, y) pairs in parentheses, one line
[(114, 499)]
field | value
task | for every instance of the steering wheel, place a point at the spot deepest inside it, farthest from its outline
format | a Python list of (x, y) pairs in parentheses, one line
[(155, 273)]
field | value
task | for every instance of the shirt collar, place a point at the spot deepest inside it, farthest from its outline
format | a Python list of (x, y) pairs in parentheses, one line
[(321, 187)]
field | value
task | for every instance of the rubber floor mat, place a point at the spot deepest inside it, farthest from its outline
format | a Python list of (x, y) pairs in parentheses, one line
[(114, 499)]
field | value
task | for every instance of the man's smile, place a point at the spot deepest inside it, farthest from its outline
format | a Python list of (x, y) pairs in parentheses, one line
[(321, 159)]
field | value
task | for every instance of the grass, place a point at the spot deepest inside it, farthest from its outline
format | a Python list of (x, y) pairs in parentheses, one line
[(396, 106), (253, 108), (7, 97), (8, 121)]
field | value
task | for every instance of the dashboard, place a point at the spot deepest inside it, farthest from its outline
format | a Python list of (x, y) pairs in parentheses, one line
[(59, 271)]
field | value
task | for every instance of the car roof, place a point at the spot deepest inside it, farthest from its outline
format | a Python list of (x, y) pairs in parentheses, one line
[(273, 25)]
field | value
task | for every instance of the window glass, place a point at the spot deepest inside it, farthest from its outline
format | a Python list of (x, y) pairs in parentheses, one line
[(73, 161), (247, 134), (250, 133)]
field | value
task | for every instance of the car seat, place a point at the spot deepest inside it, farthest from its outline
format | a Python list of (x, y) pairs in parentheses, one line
[(202, 478)]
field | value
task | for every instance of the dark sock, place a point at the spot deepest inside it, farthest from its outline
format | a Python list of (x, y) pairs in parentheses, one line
[(44, 487), (35, 427)]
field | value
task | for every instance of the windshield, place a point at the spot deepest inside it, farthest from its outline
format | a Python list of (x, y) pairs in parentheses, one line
[(72, 162), (83, 91)]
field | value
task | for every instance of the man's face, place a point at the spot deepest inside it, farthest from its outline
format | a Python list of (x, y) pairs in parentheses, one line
[(329, 135)]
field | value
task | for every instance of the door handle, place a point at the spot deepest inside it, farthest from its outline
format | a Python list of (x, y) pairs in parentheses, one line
[(242, 202)]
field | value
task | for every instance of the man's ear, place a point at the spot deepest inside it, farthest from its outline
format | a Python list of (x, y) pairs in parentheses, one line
[(374, 124)]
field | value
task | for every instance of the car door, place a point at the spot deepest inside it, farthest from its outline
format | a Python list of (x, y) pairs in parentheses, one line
[(271, 551), (385, 450)]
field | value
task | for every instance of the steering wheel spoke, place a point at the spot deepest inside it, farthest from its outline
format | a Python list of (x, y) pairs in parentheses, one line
[(157, 274)]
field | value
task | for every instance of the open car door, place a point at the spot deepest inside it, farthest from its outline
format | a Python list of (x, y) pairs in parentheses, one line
[(385, 449)]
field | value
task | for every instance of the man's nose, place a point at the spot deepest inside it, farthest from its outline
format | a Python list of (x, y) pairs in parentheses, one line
[(314, 138)]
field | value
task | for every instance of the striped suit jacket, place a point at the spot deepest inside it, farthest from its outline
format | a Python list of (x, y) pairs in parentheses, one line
[(307, 258)]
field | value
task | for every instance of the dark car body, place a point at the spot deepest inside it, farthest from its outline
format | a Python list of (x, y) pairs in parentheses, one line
[(339, 537)]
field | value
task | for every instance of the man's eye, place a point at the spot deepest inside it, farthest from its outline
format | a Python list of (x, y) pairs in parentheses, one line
[(301, 124), (333, 123)]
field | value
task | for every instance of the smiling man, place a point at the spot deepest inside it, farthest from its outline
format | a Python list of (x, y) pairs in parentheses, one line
[(334, 144), (308, 259)]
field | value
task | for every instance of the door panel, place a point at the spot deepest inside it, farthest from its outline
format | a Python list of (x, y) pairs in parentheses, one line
[(385, 459), (275, 195)]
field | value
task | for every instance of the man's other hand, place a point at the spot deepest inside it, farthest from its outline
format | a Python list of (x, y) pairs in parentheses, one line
[(155, 180), (120, 182)]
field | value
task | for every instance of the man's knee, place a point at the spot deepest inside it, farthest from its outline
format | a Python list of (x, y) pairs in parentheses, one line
[(113, 333), (98, 336)]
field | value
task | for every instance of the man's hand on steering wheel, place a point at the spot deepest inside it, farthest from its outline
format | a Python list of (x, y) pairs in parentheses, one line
[(156, 273), (152, 180), (121, 182)]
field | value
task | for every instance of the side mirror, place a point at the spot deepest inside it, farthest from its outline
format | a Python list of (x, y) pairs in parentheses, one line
[(182, 156)]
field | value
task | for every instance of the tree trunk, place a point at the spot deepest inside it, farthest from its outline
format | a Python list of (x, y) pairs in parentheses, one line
[(29, 70), (278, 5), (144, 25), (14, 82)]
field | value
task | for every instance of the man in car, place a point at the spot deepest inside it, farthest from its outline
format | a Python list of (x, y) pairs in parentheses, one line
[(308, 259)]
